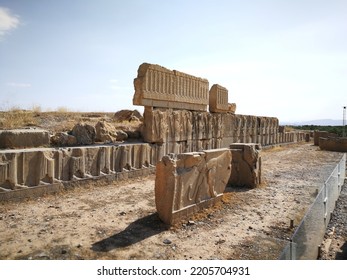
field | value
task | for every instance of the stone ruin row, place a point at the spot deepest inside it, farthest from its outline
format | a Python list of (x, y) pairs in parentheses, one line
[(27, 168), (198, 165), (176, 116), (195, 153)]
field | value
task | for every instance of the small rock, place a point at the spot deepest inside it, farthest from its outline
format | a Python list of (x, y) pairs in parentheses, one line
[(167, 241), (63, 251), (220, 241), (121, 135), (190, 223), (122, 213)]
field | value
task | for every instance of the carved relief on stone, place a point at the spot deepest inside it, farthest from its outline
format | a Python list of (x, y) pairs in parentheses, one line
[(246, 165), (187, 182)]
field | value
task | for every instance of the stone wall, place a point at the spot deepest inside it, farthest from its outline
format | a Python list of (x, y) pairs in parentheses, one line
[(21, 169), (181, 131), (336, 144)]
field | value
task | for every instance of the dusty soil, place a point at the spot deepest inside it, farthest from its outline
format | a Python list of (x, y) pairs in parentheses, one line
[(119, 221)]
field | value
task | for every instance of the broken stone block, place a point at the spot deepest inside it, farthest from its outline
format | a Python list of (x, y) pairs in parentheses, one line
[(246, 165), (84, 133), (23, 138), (218, 100), (189, 182), (104, 132)]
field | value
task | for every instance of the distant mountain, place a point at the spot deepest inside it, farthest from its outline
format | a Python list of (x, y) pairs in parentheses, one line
[(323, 122)]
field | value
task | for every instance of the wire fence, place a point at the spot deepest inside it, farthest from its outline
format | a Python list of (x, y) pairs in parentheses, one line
[(308, 236)]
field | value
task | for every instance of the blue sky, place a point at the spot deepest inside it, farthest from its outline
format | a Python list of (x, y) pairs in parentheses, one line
[(286, 59)]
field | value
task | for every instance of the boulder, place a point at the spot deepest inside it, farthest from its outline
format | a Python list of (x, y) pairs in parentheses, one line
[(105, 132), (127, 115), (84, 133)]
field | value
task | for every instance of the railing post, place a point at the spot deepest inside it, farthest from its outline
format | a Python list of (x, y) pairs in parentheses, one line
[(325, 201)]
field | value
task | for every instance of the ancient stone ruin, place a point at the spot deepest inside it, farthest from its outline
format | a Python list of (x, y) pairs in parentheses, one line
[(191, 136), (330, 141), (186, 183)]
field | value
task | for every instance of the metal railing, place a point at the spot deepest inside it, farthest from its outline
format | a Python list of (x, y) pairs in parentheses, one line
[(308, 236)]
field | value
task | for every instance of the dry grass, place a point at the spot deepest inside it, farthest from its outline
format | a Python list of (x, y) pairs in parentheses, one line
[(17, 118), (60, 120)]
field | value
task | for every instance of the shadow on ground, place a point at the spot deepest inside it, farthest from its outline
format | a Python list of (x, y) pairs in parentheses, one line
[(137, 231)]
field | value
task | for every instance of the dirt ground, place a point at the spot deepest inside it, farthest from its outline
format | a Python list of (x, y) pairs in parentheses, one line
[(119, 221)]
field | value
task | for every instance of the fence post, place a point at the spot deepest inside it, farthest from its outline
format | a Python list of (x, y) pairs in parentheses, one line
[(292, 250), (325, 202)]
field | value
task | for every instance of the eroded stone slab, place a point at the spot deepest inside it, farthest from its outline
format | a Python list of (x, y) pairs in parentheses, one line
[(34, 167), (23, 138), (189, 182), (218, 100)]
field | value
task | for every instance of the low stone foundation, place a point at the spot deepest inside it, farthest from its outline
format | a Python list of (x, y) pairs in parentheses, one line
[(26, 169)]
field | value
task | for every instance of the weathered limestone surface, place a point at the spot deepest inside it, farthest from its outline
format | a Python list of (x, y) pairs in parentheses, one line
[(156, 86), (181, 131), (336, 144), (23, 138), (84, 133), (189, 182), (246, 165), (34, 167), (218, 100)]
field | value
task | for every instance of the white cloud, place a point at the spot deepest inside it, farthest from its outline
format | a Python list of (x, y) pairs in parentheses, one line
[(8, 21), (19, 85)]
